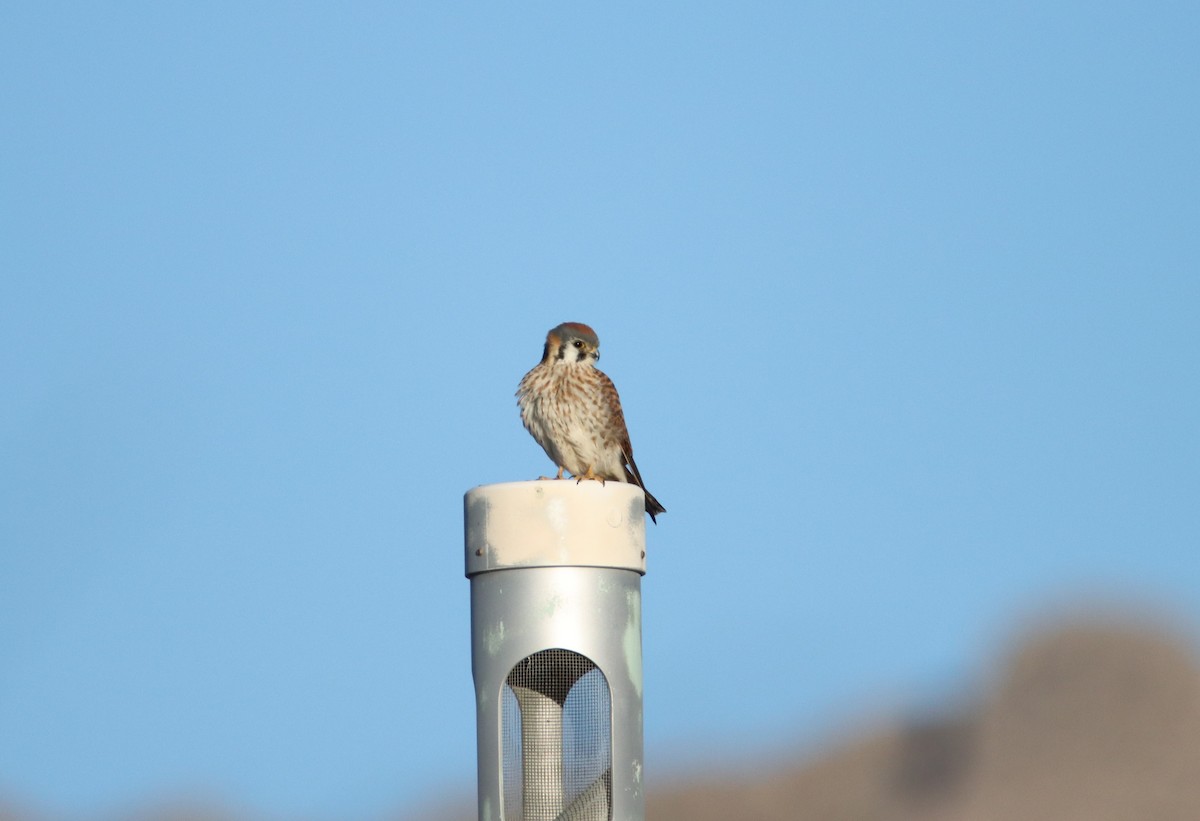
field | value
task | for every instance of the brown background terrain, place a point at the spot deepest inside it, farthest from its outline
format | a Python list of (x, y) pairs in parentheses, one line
[(1084, 724)]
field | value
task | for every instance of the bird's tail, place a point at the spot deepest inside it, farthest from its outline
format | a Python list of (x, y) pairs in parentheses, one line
[(652, 506), (635, 478)]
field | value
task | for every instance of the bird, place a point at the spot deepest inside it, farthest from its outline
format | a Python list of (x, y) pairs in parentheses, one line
[(572, 410)]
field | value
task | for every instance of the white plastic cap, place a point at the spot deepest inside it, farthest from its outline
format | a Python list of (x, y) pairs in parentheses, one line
[(555, 523)]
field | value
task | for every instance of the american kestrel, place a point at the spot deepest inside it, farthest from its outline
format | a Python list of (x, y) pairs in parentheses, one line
[(573, 411)]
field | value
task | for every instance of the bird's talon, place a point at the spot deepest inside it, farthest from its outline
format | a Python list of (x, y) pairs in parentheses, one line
[(591, 474)]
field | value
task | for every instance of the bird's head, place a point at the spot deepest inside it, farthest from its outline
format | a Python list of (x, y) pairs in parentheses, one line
[(571, 343)]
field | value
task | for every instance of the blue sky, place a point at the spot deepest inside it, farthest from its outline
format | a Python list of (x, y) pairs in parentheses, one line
[(901, 300)]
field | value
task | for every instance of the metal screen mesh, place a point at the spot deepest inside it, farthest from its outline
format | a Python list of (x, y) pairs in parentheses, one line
[(556, 726)]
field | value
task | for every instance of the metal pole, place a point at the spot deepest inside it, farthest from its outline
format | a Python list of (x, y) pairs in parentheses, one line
[(555, 570)]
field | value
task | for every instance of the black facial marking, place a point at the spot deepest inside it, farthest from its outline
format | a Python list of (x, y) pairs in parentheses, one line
[(562, 351)]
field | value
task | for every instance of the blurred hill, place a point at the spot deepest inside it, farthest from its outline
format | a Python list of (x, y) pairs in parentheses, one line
[(1088, 722), (1085, 723)]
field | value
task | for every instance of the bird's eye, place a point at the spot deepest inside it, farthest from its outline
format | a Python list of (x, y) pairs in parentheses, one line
[(577, 344)]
